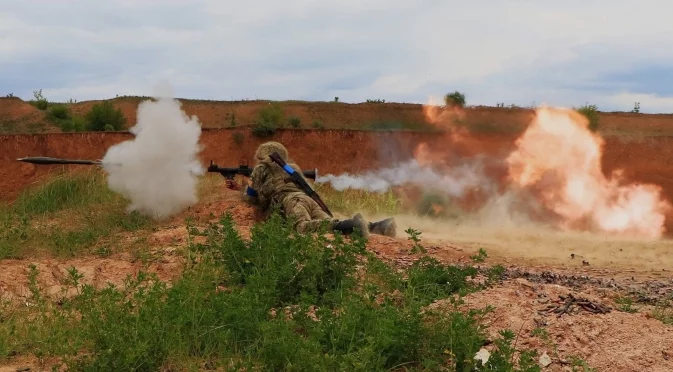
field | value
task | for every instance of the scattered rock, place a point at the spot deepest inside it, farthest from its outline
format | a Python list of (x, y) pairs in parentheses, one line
[(482, 355), (545, 360)]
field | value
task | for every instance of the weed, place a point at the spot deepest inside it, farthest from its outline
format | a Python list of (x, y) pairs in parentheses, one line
[(67, 214), (455, 99), (351, 200), (626, 304), (279, 301), (591, 113), (40, 102), (481, 256), (664, 312), (415, 236), (59, 111), (294, 122), (269, 119), (104, 117), (376, 101), (317, 124)]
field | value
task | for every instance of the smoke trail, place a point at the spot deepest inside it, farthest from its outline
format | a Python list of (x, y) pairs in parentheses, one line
[(158, 169), (453, 182)]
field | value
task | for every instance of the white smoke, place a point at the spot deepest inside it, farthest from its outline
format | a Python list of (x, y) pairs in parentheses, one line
[(158, 170), (453, 182)]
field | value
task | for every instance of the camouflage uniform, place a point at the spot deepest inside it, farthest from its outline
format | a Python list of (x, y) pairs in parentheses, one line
[(271, 187)]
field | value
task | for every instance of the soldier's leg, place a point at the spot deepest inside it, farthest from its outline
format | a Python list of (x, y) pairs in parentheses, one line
[(345, 226), (305, 218), (310, 217)]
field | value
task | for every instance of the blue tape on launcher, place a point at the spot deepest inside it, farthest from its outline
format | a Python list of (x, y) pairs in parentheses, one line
[(288, 169), (250, 191)]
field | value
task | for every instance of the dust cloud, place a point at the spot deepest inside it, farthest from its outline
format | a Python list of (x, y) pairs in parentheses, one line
[(158, 170), (554, 202)]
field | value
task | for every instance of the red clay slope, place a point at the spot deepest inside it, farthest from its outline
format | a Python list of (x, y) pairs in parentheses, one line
[(645, 160), (17, 116)]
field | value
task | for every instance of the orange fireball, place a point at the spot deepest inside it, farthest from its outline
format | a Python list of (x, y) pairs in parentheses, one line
[(560, 159)]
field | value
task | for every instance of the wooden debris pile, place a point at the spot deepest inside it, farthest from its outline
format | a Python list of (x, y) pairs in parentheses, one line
[(570, 304)]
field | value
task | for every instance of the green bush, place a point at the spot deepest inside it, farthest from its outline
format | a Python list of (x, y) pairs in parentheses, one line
[(280, 301), (294, 122), (591, 113), (40, 102), (104, 117), (455, 99), (268, 121), (59, 111)]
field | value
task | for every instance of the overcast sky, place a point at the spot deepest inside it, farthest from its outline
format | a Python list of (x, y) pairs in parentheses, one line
[(566, 53)]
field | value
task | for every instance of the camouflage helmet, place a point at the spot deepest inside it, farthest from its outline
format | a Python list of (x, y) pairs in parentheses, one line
[(268, 148)]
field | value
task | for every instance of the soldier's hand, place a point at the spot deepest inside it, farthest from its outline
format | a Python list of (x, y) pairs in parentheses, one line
[(233, 185)]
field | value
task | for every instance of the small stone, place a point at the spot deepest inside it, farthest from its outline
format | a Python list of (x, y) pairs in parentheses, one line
[(483, 356), (545, 360)]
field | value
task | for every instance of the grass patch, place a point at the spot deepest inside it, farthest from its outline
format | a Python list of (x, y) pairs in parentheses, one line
[(64, 216), (664, 312), (66, 190), (280, 301), (351, 200)]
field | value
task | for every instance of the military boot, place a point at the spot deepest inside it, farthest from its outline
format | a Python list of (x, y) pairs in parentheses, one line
[(386, 227), (347, 227)]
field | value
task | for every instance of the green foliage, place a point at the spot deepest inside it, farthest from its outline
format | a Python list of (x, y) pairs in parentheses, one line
[(59, 111), (415, 236), (455, 99), (73, 124), (60, 114), (104, 117), (65, 215), (663, 311), (294, 122), (39, 101), (268, 121), (61, 192), (317, 124), (480, 257), (280, 301), (376, 101), (636, 107), (591, 113), (351, 200)]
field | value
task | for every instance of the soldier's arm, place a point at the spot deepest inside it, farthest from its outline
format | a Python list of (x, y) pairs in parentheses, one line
[(253, 192)]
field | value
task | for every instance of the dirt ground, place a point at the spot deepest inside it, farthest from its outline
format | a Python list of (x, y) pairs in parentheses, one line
[(539, 268)]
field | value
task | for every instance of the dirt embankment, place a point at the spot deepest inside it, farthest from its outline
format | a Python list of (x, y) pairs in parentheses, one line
[(19, 116), (643, 160)]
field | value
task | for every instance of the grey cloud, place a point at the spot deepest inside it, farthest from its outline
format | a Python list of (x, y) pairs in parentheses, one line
[(512, 51)]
